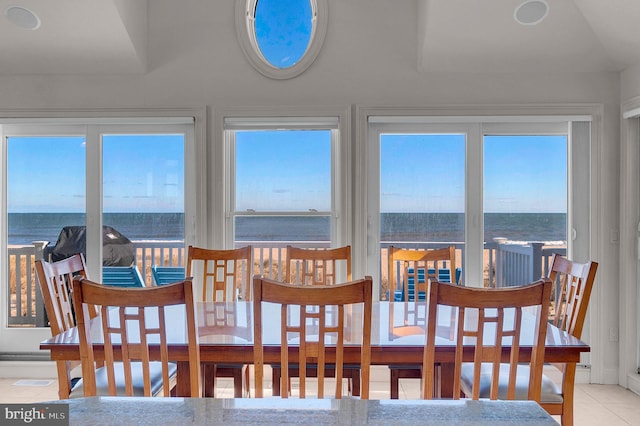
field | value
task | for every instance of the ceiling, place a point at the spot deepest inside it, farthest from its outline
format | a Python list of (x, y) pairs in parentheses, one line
[(76, 37), (110, 37), (483, 36)]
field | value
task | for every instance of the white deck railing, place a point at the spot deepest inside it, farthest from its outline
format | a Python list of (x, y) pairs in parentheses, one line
[(507, 264)]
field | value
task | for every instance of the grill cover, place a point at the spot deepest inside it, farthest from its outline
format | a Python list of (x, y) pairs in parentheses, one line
[(117, 250)]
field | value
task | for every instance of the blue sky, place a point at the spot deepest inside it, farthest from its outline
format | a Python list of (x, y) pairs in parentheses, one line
[(290, 171), (141, 173), (283, 170), (426, 173), (283, 30)]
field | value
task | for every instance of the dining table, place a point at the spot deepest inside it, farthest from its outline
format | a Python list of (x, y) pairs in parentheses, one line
[(225, 333), (276, 411)]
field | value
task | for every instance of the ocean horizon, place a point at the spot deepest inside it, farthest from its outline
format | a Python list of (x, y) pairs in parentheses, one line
[(24, 228)]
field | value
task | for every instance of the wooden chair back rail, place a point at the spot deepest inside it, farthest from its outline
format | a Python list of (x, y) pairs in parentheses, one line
[(490, 305), (56, 282), (121, 307), (316, 267), (574, 282), (56, 286), (219, 268), (319, 267), (336, 297)]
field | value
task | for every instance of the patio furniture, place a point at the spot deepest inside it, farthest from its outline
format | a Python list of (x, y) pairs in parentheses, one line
[(122, 276), (167, 274)]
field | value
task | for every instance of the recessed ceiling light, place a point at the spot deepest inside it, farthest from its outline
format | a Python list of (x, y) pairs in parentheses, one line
[(22, 17), (531, 12)]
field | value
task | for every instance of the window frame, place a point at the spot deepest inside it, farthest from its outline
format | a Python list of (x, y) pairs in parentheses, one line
[(88, 123), (475, 126), (235, 124), (245, 32)]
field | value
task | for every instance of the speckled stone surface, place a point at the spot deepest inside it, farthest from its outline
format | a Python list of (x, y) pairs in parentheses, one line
[(273, 411)]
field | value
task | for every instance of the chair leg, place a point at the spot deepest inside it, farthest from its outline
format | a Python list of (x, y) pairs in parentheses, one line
[(237, 382), (354, 379), (247, 381), (208, 379), (275, 381), (566, 418), (395, 379)]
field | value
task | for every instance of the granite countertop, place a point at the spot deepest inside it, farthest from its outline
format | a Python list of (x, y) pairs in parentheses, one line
[(199, 411)]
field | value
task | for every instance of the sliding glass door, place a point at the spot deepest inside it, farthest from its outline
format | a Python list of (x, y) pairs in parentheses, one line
[(116, 190)]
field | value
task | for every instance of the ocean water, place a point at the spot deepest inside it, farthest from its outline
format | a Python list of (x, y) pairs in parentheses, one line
[(426, 227)]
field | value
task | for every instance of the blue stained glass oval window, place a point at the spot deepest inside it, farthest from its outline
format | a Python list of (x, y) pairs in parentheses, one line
[(283, 30)]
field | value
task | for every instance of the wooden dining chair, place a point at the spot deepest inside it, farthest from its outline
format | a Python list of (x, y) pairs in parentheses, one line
[(413, 269), (305, 266), (317, 266), (133, 331), (56, 281), (223, 276), (492, 321), (313, 333), (573, 283)]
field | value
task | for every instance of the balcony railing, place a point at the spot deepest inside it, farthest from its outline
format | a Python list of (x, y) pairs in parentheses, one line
[(505, 264)]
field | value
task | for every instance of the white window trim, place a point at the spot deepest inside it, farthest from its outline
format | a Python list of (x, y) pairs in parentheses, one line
[(25, 340), (577, 112), (222, 161), (629, 298), (245, 32)]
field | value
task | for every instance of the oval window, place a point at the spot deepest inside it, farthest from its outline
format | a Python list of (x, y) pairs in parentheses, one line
[(281, 39)]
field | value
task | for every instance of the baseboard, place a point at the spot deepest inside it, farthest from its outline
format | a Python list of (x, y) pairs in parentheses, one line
[(633, 382), (28, 370), (583, 374)]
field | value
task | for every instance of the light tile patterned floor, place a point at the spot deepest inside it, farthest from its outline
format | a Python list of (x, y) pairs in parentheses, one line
[(608, 405)]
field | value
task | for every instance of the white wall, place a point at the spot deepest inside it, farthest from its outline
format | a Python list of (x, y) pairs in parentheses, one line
[(369, 58), (630, 83)]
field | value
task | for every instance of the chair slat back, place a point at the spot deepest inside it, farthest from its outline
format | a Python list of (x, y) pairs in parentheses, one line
[(134, 331), (573, 283), (492, 321), (418, 267), (328, 326), (317, 266), (56, 284), (222, 270)]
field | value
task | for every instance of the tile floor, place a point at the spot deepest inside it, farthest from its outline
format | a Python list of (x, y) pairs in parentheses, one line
[(608, 405)]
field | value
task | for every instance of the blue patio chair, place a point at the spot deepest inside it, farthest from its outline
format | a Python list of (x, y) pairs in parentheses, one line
[(122, 276), (167, 274), (444, 275)]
